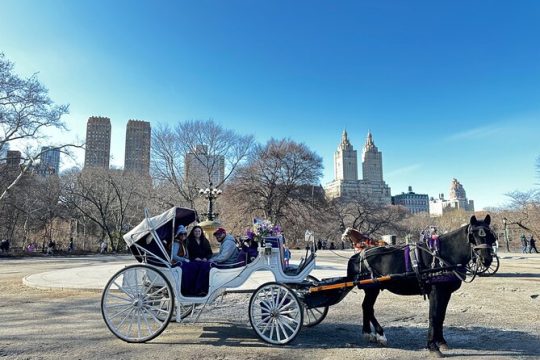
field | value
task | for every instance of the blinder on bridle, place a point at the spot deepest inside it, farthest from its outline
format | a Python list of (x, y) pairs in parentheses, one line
[(482, 233)]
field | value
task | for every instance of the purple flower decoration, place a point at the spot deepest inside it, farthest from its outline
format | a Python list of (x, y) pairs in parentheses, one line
[(250, 234)]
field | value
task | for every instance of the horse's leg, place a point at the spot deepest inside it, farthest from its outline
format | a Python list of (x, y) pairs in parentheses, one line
[(444, 294), (369, 318), (438, 301)]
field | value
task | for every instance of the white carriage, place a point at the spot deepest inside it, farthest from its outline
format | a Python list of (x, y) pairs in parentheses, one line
[(140, 300)]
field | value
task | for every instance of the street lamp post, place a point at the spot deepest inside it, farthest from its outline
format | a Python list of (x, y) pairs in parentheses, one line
[(505, 223), (211, 194)]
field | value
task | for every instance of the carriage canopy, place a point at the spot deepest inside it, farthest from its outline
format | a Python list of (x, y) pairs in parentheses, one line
[(175, 216)]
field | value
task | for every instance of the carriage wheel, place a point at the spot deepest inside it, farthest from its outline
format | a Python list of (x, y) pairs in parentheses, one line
[(162, 303), (493, 267), (314, 316), (137, 303), (473, 267), (275, 313)]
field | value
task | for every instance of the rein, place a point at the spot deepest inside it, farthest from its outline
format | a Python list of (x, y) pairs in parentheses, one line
[(474, 254), (341, 256)]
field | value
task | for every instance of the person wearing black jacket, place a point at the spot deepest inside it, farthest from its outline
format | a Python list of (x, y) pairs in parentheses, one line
[(532, 245), (198, 245)]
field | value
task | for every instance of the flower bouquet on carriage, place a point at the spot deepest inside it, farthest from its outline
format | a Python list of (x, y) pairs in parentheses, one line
[(262, 229), (261, 232)]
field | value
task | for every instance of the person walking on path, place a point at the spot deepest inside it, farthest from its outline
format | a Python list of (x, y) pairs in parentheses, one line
[(523, 243), (286, 256), (102, 247), (532, 245)]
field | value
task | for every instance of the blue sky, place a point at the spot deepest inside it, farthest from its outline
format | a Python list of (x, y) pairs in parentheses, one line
[(448, 88)]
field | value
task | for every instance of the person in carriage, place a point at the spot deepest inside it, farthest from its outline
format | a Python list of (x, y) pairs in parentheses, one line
[(195, 274), (228, 251), (179, 248), (198, 246)]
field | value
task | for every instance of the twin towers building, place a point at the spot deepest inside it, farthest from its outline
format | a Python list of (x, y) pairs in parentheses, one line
[(346, 184)]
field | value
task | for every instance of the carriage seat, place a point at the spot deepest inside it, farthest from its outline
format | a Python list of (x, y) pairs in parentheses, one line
[(150, 253), (293, 270)]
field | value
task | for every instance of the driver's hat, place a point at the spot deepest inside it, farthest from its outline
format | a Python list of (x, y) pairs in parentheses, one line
[(220, 231)]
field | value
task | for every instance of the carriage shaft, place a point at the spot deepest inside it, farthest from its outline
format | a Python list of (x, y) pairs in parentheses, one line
[(350, 284)]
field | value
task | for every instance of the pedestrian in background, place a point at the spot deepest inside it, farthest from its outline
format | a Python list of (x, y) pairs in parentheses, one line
[(103, 247), (286, 255), (523, 243), (532, 245)]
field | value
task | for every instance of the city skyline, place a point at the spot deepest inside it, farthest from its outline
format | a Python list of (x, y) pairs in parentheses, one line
[(448, 91)]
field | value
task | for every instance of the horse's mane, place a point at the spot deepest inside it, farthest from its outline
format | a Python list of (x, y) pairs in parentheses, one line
[(453, 233)]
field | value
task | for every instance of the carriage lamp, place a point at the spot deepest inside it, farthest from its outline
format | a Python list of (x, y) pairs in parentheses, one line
[(210, 193)]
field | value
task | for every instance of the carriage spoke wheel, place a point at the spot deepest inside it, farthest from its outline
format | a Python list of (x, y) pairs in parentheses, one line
[(275, 313), (473, 267), (493, 267), (137, 303), (314, 316)]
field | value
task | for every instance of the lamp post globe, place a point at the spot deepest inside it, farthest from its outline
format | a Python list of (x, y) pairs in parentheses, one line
[(211, 224)]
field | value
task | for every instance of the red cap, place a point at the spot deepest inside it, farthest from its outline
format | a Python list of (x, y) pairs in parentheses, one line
[(220, 231)]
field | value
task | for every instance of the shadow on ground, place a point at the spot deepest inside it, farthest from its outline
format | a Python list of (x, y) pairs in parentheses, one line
[(461, 340)]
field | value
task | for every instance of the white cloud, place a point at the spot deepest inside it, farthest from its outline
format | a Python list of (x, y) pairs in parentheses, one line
[(476, 133), (403, 170)]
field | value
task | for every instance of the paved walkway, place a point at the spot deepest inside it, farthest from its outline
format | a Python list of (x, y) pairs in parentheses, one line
[(95, 277)]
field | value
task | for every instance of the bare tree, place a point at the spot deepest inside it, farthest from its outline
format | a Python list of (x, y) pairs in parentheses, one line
[(275, 177), (32, 208), (25, 112), (199, 143), (28, 163), (524, 210), (370, 217), (25, 106), (112, 200)]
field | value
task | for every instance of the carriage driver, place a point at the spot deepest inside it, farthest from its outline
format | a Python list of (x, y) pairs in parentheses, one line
[(228, 252), (179, 250)]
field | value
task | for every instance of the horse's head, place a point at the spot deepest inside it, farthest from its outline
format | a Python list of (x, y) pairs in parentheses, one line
[(358, 240), (346, 234), (482, 238)]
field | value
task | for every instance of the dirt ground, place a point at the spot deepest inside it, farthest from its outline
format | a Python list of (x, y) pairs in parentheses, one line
[(491, 318)]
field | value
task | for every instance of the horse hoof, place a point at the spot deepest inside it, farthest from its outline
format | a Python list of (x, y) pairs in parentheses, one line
[(436, 354), (381, 339), (443, 346), (369, 337)]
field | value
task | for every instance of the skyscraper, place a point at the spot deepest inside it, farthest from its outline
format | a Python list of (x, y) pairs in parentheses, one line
[(98, 142), (4, 148), (13, 159), (202, 168), (137, 154), (371, 161), (345, 160), (49, 161), (346, 183)]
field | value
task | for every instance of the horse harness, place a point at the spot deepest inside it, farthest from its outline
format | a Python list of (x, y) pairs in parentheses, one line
[(438, 271)]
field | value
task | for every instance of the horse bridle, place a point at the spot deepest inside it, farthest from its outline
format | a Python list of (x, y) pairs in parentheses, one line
[(482, 233)]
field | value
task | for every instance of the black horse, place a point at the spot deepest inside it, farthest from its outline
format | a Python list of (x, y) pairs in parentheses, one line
[(435, 269)]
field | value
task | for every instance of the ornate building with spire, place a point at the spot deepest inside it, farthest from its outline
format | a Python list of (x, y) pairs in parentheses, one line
[(346, 183), (457, 200)]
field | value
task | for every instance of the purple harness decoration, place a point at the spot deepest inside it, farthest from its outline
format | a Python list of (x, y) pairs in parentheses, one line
[(411, 255), (433, 243), (407, 254)]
